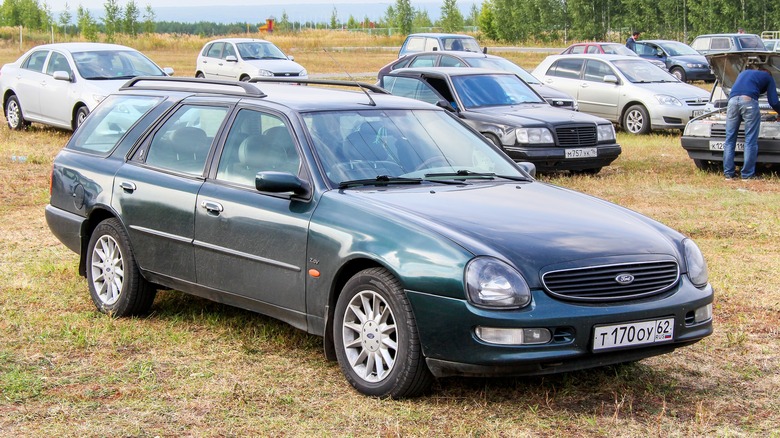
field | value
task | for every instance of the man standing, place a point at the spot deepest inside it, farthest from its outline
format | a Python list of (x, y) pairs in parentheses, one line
[(631, 41), (743, 106)]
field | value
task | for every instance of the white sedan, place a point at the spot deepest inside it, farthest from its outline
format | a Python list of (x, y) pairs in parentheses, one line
[(59, 84), (627, 90)]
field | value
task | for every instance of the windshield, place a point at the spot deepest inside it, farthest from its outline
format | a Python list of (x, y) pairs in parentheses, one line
[(503, 64), (493, 90), (366, 144), (124, 64), (259, 50), (641, 71), (678, 49)]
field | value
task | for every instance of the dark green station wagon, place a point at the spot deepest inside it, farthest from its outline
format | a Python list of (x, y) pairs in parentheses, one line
[(411, 244)]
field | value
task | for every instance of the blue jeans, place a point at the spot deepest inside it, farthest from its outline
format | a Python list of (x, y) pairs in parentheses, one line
[(741, 108)]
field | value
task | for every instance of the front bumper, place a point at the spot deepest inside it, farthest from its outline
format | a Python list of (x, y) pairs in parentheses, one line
[(554, 158), (446, 328), (698, 148), (673, 117)]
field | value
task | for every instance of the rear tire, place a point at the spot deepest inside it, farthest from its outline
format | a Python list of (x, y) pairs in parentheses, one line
[(376, 339), (116, 285), (14, 115)]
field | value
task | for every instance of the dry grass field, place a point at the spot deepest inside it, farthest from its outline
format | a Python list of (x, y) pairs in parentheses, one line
[(197, 368)]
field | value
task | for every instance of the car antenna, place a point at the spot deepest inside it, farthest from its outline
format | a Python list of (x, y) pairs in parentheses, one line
[(370, 100)]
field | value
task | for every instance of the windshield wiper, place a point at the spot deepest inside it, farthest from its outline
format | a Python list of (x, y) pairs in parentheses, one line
[(461, 174), (380, 180)]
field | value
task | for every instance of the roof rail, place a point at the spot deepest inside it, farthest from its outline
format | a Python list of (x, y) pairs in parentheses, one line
[(196, 85), (770, 34), (354, 84)]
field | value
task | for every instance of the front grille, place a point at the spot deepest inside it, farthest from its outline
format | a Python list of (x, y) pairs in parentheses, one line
[(286, 75), (720, 131), (696, 101), (600, 283), (576, 136)]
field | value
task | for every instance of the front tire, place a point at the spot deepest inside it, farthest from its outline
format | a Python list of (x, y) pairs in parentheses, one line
[(679, 73), (376, 339), (13, 114), (115, 283), (636, 120), (81, 115)]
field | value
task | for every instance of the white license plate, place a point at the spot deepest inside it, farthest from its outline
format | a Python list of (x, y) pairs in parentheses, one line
[(633, 333), (718, 145), (581, 153), (697, 113)]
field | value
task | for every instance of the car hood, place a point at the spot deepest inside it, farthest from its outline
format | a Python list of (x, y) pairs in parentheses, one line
[(539, 113), (276, 65), (727, 66), (532, 225), (679, 90)]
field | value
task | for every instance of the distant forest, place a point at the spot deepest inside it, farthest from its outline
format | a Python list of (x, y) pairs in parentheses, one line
[(511, 21)]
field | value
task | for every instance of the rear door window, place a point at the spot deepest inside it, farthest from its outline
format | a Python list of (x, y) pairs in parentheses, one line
[(109, 122), (36, 61), (566, 68), (720, 44)]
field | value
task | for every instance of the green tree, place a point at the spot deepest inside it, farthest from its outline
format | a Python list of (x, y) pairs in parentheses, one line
[(87, 24), (451, 17), (27, 13), (487, 20), (334, 19), (473, 18), (421, 19), (149, 16), (112, 21), (283, 24), (130, 23), (404, 16), (65, 18)]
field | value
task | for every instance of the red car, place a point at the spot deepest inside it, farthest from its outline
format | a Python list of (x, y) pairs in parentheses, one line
[(606, 48)]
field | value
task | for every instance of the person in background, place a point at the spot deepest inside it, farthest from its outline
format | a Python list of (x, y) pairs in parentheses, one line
[(743, 106), (631, 41), (740, 30)]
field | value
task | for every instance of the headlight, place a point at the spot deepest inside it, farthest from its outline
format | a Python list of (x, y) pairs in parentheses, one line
[(769, 130), (492, 283), (697, 267), (303, 73), (534, 135), (690, 65), (606, 132), (696, 129), (663, 99), (264, 73)]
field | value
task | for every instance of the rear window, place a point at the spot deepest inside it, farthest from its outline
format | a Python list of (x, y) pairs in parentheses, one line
[(751, 42), (110, 121)]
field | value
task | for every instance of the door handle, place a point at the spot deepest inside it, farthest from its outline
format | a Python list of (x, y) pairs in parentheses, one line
[(212, 207), (127, 186)]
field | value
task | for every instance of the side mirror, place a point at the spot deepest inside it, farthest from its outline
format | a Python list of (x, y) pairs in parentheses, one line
[(168, 71), (231, 58), (291, 58), (530, 168), (435, 48), (281, 182), (446, 105), (484, 50), (610, 79), (61, 75)]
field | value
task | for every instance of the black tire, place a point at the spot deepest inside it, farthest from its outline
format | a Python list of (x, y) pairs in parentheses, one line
[(636, 120), (14, 115), (200, 75), (592, 171), (390, 335), (115, 283), (679, 73), (707, 165), (81, 115)]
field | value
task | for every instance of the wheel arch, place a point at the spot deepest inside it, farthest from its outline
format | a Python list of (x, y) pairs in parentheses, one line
[(8, 93), (98, 215), (75, 111), (347, 271), (628, 105)]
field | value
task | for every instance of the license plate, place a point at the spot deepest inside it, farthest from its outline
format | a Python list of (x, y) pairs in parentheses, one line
[(718, 145), (697, 113), (633, 333), (581, 153)]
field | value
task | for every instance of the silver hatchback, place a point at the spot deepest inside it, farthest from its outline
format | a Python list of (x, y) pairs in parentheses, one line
[(624, 89)]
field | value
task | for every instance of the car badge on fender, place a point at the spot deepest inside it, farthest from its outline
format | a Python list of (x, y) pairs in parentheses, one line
[(624, 279)]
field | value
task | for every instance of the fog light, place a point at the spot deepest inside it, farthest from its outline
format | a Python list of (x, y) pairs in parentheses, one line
[(508, 336), (703, 313)]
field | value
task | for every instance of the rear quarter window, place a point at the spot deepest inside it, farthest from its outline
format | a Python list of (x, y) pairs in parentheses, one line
[(566, 68)]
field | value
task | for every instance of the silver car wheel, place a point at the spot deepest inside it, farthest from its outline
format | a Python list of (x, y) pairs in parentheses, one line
[(108, 273), (370, 336), (634, 121), (13, 114)]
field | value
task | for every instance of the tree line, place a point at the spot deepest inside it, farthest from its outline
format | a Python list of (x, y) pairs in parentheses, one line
[(511, 21)]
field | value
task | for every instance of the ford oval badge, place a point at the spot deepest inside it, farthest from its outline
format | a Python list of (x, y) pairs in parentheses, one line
[(624, 279)]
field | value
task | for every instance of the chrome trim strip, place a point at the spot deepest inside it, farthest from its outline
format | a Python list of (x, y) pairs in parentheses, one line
[(248, 256)]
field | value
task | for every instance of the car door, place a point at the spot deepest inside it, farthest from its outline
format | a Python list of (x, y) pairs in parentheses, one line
[(231, 69), (564, 74), (57, 96), (29, 80), (155, 193), (247, 242), (211, 63), (595, 96)]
